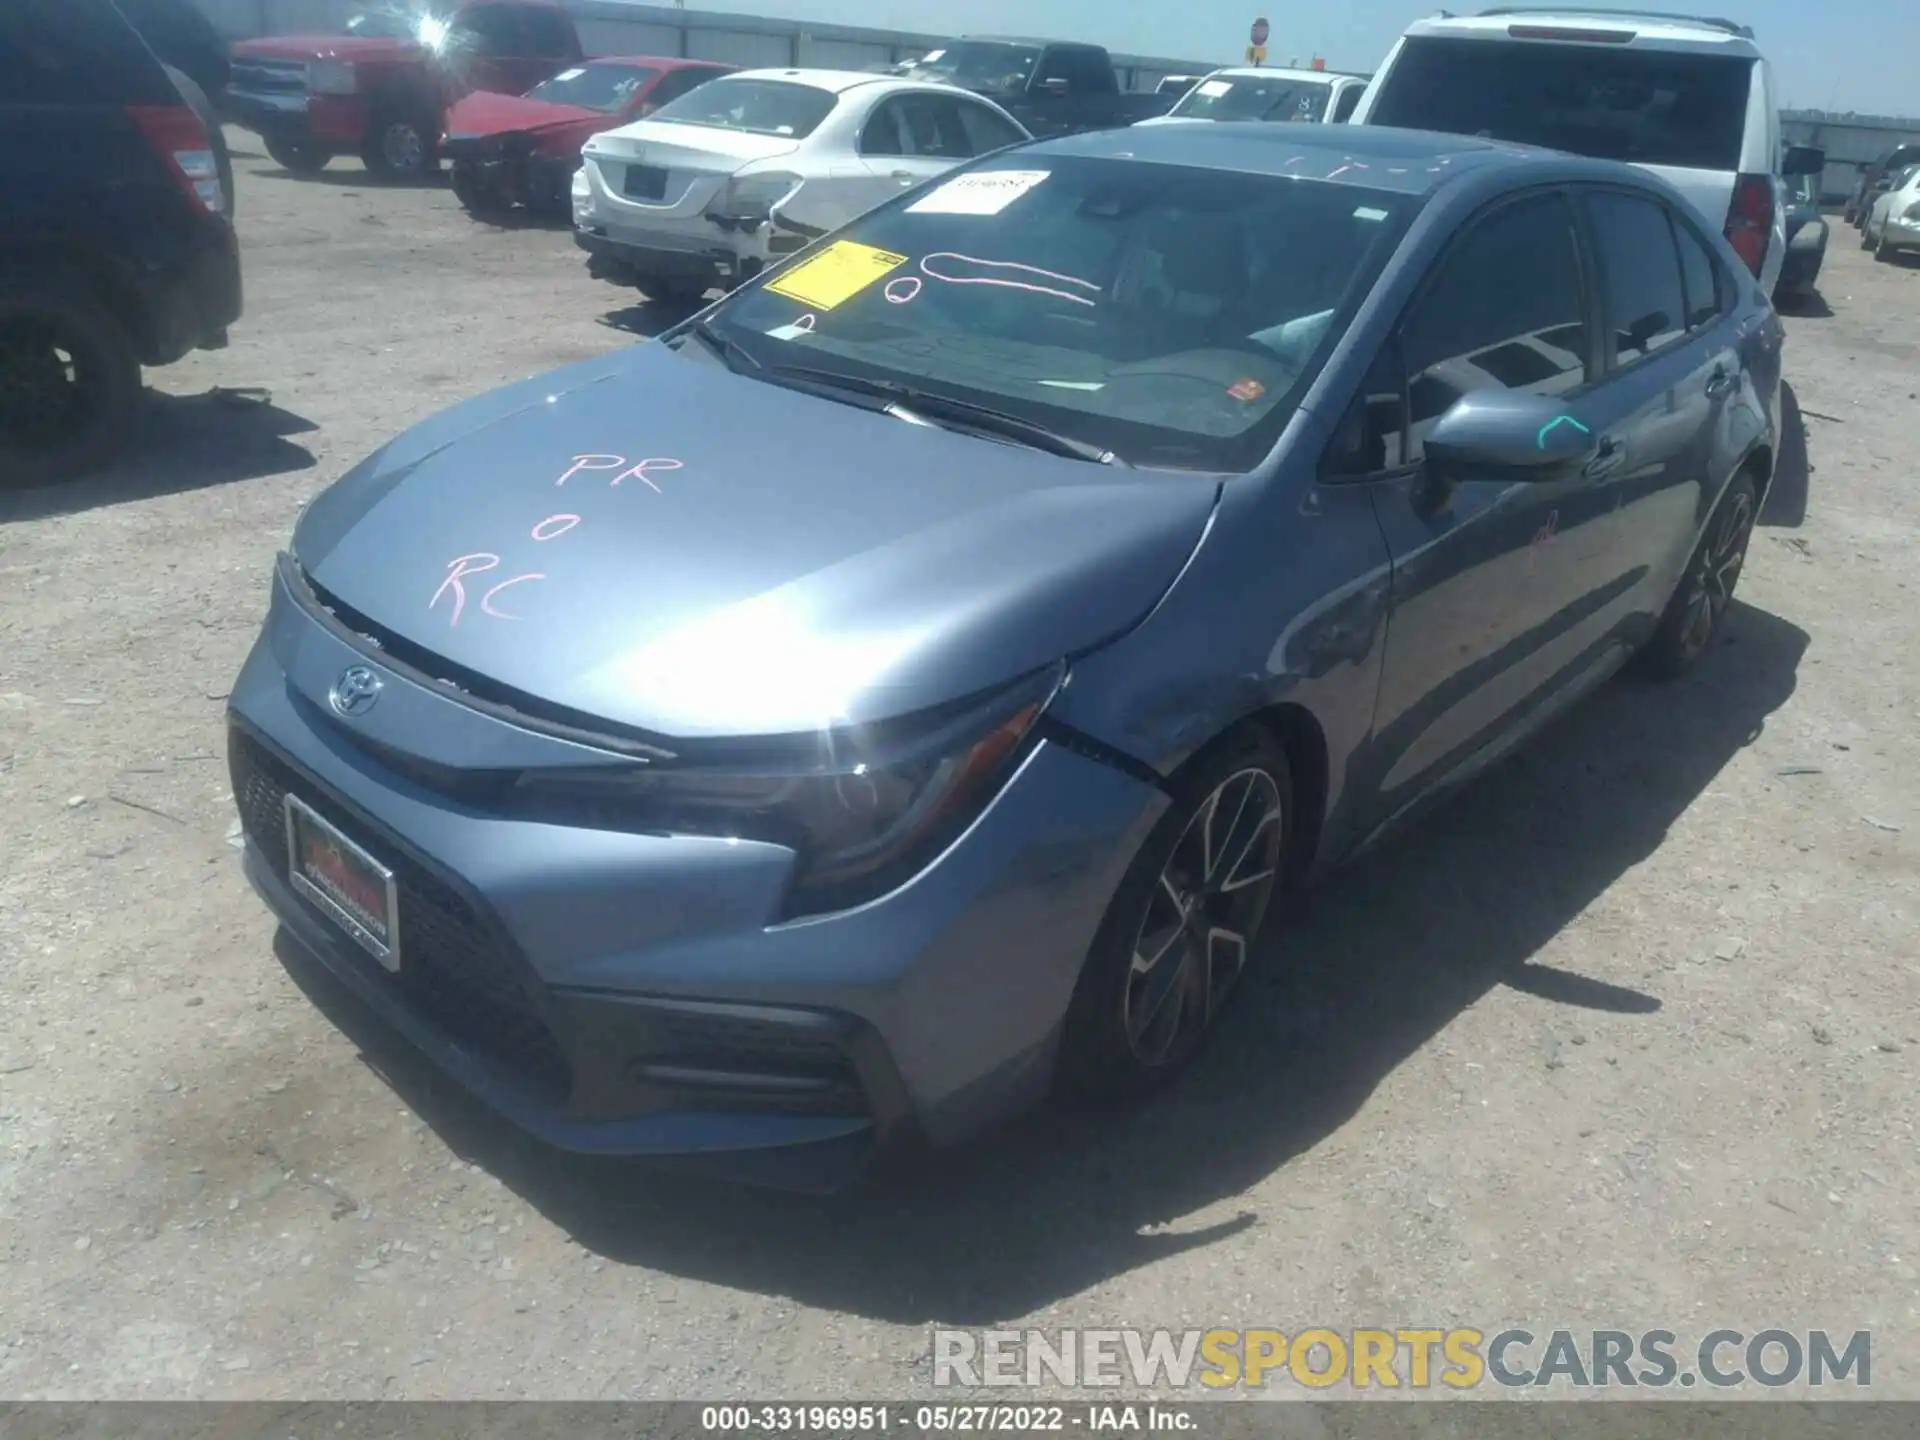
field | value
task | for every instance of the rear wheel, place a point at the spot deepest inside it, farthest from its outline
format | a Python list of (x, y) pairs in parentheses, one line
[(1694, 614), (69, 380), (1882, 251), (296, 157), (1181, 928), (401, 146)]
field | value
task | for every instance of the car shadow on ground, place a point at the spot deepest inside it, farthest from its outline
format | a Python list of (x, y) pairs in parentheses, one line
[(648, 317), (1786, 506), (183, 442), (520, 217), (1370, 968)]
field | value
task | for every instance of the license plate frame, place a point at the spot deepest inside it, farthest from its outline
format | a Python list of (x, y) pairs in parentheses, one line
[(377, 933)]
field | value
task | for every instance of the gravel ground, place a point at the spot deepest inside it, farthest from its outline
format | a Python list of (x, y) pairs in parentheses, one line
[(1628, 1036)]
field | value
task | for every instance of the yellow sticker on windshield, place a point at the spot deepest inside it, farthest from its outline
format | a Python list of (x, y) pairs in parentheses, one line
[(836, 274)]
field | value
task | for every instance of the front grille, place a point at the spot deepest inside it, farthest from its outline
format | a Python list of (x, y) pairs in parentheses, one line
[(283, 77), (455, 967), (646, 182)]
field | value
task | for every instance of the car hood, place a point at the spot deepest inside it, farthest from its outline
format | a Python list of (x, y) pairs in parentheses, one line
[(657, 542), (485, 113), (321, 47)]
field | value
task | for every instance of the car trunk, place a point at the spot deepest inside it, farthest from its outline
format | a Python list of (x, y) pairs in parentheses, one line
[(678, 169)]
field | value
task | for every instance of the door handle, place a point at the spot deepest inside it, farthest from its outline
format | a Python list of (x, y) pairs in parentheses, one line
[(905, 177), (1720, 385)]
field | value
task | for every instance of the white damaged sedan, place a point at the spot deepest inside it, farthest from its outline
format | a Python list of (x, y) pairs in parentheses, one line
[(753, 166)]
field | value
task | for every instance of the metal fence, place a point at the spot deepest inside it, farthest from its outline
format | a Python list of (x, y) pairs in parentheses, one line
[(614, 27)]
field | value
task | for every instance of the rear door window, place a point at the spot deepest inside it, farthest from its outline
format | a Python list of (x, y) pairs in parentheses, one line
[(1349, 99), (493, 31), (1644, 298), (987, 130), (545, 34), (1649, 107), (1707, 289), (1503, 310)]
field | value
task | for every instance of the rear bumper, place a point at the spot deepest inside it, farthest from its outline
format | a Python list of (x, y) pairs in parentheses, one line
[(721, 253), (190, 307)]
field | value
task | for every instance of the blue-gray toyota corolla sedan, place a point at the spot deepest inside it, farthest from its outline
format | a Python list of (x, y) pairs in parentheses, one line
[(911, 683)]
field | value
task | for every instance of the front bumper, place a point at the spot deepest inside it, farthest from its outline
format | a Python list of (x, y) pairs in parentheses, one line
[(634, 994), (542, 182)]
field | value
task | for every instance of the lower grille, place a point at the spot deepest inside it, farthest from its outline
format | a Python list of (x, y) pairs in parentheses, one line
[(456, 968), (714, 1060)]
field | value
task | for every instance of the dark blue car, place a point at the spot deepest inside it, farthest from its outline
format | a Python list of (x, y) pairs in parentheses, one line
[(908, 686)]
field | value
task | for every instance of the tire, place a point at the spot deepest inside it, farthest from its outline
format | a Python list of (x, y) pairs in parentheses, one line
[(1699, 604), (475, 197), (663, 291), (1882, 251), (296, 158), (1866, 234), (1133, 1023), (69, 379), (400, 146)]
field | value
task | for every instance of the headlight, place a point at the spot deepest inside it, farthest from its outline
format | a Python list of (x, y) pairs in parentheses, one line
[(332, 77), (864, 807), (752, 197)]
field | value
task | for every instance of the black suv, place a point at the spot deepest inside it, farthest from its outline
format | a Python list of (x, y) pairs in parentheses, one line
[(116, 246)]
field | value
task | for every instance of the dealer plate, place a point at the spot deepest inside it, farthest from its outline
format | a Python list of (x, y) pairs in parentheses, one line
[(344, 883)]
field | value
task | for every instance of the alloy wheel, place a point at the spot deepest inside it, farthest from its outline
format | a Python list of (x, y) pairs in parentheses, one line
[(403, 147), (1205, 909), (1715, 573)]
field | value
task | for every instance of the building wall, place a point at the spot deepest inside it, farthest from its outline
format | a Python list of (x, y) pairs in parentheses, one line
[(616, 27)]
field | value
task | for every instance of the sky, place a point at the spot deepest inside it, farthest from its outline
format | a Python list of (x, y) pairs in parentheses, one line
[(1861, 55)]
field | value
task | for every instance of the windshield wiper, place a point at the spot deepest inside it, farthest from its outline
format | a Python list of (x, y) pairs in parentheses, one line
[(738, 358), (911, 404)]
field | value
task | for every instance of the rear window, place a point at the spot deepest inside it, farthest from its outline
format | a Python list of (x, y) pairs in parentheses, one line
[(1248, 97), (76, 53), (1171, 315), (1649, 107), (763, 107), (595, 87)]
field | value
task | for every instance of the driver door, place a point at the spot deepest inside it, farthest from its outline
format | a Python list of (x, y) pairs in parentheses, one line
[(1480, 633)]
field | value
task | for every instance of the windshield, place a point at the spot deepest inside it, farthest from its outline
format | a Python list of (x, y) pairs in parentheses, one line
[(1173, 316), (595, 87), (981, 65), (764, 107), (1248, 97), (1653, 107)]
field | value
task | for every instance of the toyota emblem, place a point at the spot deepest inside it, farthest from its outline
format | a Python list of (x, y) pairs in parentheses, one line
[(355, 691)]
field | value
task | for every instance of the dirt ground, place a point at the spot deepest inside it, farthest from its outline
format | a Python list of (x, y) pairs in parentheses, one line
[(1628, 1037)]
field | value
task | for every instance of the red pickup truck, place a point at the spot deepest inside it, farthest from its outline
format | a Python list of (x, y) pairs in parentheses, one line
[(381, 91)]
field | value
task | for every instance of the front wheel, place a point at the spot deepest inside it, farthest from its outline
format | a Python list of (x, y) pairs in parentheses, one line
[(1180, 930), (475, 195), (297, 158), (401, 147), (1699, 604)]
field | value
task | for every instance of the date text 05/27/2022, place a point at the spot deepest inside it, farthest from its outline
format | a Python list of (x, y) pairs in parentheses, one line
[(777, 1420)]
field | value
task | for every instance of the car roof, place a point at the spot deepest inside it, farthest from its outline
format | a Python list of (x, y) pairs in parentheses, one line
[(838, 81), (1373, 157), (1650, 30), (1285, 72)]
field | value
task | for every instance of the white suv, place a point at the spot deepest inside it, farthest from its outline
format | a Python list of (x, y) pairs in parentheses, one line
[(1691, 99)]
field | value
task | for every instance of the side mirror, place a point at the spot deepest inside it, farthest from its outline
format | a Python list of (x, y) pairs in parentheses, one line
[(1803, 160), (1527, 436)]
